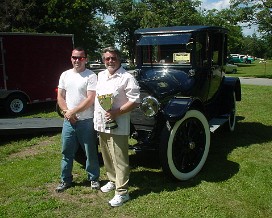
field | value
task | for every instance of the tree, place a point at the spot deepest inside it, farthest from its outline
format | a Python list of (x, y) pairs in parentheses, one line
[(126, 19), (129, 15), (255, 46), (79, 17), (15, 15), (84, 19), (225, 18), (254, 12), (170, 13)]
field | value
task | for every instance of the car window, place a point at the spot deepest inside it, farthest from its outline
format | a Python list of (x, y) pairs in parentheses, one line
[(165, 49), (165, 54), (164, 39)]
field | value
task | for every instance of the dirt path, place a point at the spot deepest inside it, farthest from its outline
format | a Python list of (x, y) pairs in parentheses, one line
[(256, 81)]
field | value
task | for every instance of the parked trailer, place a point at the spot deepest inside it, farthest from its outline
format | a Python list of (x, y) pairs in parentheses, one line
[(30, 66)]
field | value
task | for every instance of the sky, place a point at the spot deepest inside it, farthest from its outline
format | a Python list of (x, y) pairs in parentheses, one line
[(211, 4), (221, 4)]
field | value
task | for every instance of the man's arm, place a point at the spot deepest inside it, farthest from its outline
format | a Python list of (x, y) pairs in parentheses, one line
[(61, 98), (127, 107)]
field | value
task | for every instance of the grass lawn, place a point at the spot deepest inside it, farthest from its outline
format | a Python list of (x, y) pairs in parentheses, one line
[(236, 179), (256, 69)]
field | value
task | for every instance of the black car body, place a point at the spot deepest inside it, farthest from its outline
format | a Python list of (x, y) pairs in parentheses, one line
[(185, 94)]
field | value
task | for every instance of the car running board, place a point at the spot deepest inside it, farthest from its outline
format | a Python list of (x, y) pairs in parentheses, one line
[(215, 123)]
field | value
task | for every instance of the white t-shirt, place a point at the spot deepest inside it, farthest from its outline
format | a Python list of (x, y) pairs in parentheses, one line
[(76, 86), (125, 88)]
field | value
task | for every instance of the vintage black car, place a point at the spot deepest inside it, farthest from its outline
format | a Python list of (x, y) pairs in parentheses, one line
[(185, 94)]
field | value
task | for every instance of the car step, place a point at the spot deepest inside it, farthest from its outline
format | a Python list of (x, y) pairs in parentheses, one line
[(215, 123)]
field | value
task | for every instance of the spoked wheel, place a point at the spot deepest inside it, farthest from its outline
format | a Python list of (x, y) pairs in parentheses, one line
[(185, 147)]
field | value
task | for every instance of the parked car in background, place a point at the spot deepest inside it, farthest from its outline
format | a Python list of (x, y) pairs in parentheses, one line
[(238, 58), (95, 64), (230, 68)]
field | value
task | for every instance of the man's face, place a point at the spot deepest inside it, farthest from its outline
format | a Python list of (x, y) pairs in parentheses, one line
[(112, 62), (78, 60)]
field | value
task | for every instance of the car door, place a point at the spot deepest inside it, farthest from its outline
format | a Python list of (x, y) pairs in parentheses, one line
[(216, 46)]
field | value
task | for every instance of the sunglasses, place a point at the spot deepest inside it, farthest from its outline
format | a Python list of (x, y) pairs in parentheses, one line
[(78, 58), (112, 58)]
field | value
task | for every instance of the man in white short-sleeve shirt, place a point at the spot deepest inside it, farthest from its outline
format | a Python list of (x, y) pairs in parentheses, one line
[(76, 94)]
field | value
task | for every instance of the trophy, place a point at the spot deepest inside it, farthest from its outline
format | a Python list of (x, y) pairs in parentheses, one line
[(106, 102)]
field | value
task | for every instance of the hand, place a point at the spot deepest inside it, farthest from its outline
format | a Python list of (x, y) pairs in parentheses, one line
[(112, 114), (73, 119), (70, 116)]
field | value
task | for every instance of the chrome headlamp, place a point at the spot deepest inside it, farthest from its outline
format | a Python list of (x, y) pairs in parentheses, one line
[(150, 106)]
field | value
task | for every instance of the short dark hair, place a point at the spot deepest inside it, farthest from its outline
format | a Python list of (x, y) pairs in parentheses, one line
[(111, 49), (79, 48)]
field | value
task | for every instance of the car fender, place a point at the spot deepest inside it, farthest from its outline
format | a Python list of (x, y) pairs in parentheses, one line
[(178, 106), (232, 84)]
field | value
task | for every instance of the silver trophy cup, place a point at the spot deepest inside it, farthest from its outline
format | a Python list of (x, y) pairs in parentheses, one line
[(106, 102)]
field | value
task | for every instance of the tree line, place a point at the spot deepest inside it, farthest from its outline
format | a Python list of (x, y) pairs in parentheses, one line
[(89, 21)]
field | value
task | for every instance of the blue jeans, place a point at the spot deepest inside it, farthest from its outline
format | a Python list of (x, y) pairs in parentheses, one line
[(81, 133)]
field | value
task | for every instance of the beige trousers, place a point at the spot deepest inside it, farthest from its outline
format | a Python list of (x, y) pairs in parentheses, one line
[(114, 150)]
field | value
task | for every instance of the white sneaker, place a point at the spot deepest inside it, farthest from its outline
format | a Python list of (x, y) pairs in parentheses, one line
[(108, 187), (118, 200)]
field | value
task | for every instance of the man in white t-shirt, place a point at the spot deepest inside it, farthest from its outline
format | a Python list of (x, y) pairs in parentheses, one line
[(114, 142), (76, 94)]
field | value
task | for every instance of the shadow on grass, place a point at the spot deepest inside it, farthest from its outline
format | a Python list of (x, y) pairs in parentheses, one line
[(216, 169), (245, 65)]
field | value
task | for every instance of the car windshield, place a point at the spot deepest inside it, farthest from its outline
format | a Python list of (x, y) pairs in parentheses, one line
[(165, 49), (164, 39)]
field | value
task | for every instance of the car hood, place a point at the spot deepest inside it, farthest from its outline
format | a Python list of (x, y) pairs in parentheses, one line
[(166, 82)]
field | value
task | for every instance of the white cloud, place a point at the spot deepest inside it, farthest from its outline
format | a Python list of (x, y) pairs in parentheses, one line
[(213, 4)]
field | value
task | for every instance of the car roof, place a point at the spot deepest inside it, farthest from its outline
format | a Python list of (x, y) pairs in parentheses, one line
[(179, 29)]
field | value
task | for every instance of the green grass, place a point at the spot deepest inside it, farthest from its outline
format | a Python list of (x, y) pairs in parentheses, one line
[(236, 180), (256, 69)]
